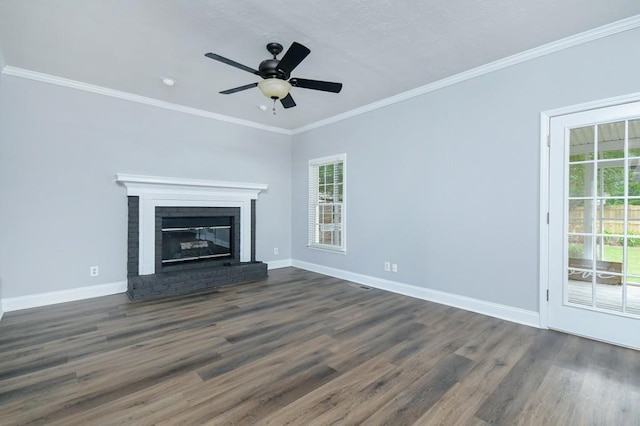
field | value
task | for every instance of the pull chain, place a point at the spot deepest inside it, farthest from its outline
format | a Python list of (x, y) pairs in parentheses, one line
[(274, 106)]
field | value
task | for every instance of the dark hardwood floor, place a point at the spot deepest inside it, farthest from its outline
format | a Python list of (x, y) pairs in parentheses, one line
[(304, 349)]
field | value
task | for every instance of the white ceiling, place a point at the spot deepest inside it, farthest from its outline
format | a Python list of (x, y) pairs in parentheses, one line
[(376, 48)]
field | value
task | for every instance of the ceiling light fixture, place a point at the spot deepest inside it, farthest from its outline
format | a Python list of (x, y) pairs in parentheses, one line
[(274, 88), (168, 81)]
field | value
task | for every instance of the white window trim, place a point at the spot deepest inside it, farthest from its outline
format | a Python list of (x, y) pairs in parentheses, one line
[(324, 247)]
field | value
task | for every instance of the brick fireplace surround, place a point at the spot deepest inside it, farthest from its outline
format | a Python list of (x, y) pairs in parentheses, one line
[(151, 197)]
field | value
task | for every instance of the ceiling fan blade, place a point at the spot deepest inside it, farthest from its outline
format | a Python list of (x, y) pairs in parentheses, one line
[(293, 57), (238, 89), (232, 63), (325, 86), (288, 101)]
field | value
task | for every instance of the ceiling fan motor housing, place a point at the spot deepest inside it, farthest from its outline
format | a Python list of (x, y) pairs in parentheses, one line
[(269, 69)]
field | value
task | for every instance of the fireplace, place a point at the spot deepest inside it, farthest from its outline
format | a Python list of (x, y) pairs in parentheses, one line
[(186, 235)]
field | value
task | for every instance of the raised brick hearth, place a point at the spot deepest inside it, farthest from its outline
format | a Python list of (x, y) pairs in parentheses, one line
[(146, 287)]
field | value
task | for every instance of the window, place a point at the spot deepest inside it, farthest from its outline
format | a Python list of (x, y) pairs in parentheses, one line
[(327, 188)]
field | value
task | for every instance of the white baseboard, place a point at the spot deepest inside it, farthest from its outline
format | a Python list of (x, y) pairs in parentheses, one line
[(496, 310), (521, 316), (43, 299), (276, 264)]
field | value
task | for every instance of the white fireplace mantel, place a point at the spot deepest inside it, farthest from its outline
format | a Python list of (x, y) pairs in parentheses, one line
[(156, 191), (141, 185)]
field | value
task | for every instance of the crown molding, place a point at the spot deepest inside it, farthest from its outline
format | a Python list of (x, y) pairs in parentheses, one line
[(527, 55), (74, 84), (546, 49)]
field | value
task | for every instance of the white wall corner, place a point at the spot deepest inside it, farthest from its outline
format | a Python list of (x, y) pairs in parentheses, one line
[(277, 264), (51, 298), (508, 313)]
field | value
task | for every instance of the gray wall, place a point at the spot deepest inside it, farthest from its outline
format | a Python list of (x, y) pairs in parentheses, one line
[(446, 184), (60, 209)]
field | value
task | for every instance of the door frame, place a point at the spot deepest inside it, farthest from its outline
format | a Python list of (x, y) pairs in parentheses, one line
[(545, 139)]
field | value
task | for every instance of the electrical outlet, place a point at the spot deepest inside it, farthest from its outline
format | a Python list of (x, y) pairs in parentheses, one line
[(387, 266), (394, 267), (275, 250), (94, 271)]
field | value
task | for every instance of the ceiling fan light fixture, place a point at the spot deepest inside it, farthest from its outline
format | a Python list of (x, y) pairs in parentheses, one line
[(274, 88)]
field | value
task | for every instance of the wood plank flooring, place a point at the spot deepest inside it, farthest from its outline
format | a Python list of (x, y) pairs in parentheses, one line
[(302, 349)]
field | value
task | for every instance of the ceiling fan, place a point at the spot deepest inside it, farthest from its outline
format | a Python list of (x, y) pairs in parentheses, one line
[(275, 73)]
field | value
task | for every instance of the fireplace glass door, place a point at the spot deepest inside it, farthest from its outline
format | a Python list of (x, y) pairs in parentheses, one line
[(192, 239)]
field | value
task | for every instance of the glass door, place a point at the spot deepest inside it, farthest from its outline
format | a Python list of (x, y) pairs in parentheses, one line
[(594, 229)]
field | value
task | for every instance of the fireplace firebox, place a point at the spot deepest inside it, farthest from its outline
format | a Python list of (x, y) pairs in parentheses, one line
[(196, 239)]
